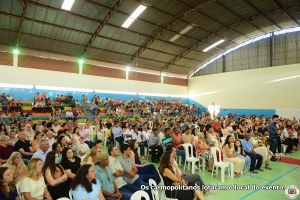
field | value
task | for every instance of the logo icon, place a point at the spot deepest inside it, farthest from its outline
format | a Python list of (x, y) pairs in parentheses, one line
[(292, 191)]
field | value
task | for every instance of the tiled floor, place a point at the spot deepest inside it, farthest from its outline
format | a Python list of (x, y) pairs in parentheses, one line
[(282, 174)]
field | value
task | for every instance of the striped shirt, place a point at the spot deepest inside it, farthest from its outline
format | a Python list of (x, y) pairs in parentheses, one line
[(166, 140)]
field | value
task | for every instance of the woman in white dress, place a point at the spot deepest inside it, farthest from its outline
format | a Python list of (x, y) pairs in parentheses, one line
[(81, 148), (33, 185)]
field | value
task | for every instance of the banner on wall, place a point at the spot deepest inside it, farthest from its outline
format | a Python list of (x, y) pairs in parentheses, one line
[(214, 110)]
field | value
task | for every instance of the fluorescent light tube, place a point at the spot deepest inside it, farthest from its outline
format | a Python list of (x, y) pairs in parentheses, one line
[(67, 4), (186, 29), (138, 11), (41, 87), (115, 92), (133, 16), (128, 22), (153, 94), (8, 85), (174, 38), (213, 45)]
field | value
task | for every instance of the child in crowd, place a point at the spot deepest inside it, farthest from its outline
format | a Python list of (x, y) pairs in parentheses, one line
[(241, 154)]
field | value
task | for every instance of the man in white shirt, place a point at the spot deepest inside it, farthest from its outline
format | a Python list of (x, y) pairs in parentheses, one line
[(40, 125), (42, 151), (190, 177), (136, 135), (128, 134), (145, 134), (118, 133), (29, 132), (69, 115), (56, 127), (49, 137)]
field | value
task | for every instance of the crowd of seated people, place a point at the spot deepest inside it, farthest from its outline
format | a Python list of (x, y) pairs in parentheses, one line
[(63, 157)]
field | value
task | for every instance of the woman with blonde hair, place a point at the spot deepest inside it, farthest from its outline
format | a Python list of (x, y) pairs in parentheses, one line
[(33, 185), (91, 158), (17, 166)]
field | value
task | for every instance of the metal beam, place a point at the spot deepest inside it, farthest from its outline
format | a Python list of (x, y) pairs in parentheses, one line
[(21, 23), (286, 13), (239, 16), (107, 24), (295, 8), (102, 24), (160, 32), (206, 2), (265, 16), (213, 20), (88, 33), (76, 44), (149, 23)]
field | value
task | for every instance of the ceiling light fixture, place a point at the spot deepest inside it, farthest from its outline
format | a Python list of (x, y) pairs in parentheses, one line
[(213, 45), (133, 16), (186, 29), (67, 4)]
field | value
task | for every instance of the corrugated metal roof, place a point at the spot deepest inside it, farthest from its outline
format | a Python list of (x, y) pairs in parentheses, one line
[(68, 32)]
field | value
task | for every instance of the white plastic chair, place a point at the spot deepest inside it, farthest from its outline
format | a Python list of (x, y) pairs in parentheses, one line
[(117, 144), (215, 141), (100, 135), (150, 124), (190, 157), (18, 190), (139, 195), (154, 193), (203, 161), (179, 160), (149, 150), (220, 164), (163, 194), (284, 147), (93, 134), (71, 195), (231, 165), (223, 140)]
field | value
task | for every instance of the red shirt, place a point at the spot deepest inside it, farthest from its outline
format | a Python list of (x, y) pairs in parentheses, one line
[(217, 127), (5, 152), (177, 138)]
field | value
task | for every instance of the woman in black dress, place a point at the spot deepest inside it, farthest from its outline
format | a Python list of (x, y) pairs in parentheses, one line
[(171, 177), (55, 177), (70, 163)]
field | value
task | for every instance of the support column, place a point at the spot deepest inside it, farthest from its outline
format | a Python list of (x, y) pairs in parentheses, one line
[(127, 72), (15, 60), (162, 78), (271, 50), (80, 68)]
